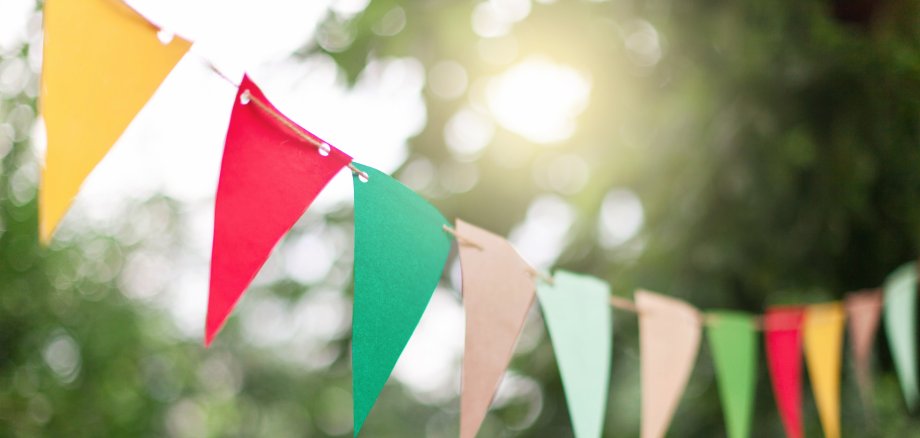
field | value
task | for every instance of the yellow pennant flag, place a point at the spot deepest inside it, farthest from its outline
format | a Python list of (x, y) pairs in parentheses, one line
[(823, 344), (102, 62)]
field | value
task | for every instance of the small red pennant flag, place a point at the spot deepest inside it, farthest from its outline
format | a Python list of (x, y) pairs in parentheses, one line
[(269, 175), (783, 338)]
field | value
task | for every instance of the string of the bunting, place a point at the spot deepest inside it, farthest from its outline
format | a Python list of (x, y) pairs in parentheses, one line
[(271, 171), (269, 109)]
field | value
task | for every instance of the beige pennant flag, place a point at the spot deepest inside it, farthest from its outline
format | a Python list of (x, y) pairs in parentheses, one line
[(669, 339), (823, 336), (498, 290), (864, 311), (102, 62)]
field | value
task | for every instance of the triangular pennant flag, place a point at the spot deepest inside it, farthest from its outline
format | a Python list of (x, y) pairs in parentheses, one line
[(580, 322), (733, 341), (901, 326), (400, 252), (268, 177), (864, 309), (669, 339), (823, 345), (783, 339), (101, 63), (498, 289)]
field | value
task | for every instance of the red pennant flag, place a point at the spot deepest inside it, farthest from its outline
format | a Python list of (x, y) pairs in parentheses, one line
[(783, 338), (269, 175)]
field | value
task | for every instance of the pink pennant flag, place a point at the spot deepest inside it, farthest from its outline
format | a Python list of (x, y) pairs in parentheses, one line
[(498, 289), (783, 339), (864, 310), (269, 176), (669, 339)]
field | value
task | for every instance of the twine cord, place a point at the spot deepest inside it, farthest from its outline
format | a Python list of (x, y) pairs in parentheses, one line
[(460, 239), (246, 97), (324, 148), (541, 275)]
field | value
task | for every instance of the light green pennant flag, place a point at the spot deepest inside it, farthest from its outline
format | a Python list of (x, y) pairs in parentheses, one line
[(901, 326), (580, 322), (400, 252), (733, 341)]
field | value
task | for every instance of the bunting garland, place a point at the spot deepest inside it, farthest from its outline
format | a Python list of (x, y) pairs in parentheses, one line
[(272, 170)]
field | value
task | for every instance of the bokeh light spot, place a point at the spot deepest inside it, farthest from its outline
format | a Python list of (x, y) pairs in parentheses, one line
[(621, 217), (539, 99)]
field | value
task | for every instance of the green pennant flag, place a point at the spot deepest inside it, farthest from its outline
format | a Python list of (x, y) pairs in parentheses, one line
[(901, 326), (580, 324), (733, 341), (400, 252)]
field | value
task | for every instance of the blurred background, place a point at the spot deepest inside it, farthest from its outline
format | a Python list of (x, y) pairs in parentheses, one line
[(735, 154)]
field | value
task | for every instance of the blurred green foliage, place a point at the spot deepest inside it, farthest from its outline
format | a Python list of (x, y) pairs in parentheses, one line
[(775, 148)]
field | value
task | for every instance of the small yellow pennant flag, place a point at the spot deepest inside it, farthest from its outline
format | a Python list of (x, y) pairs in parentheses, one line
[(823, 344), (102, 62)]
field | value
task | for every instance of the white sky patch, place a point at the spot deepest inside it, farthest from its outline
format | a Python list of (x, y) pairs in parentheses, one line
[(544, 233), (430, 363), (14, 20), (309, 258), (512, 10), (539, 99), (447, 79), (238, 34), (621, 217), (643, 43), (467, 133), (494, 18)]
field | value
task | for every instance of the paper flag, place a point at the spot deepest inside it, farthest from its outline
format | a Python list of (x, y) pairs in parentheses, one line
[(733, 341), (783, 338), (864, 309), (268, 178), (400, 252), (498, 289), (580, 322), (823, 345), (901, 326), (669, 338), (102, 62)]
